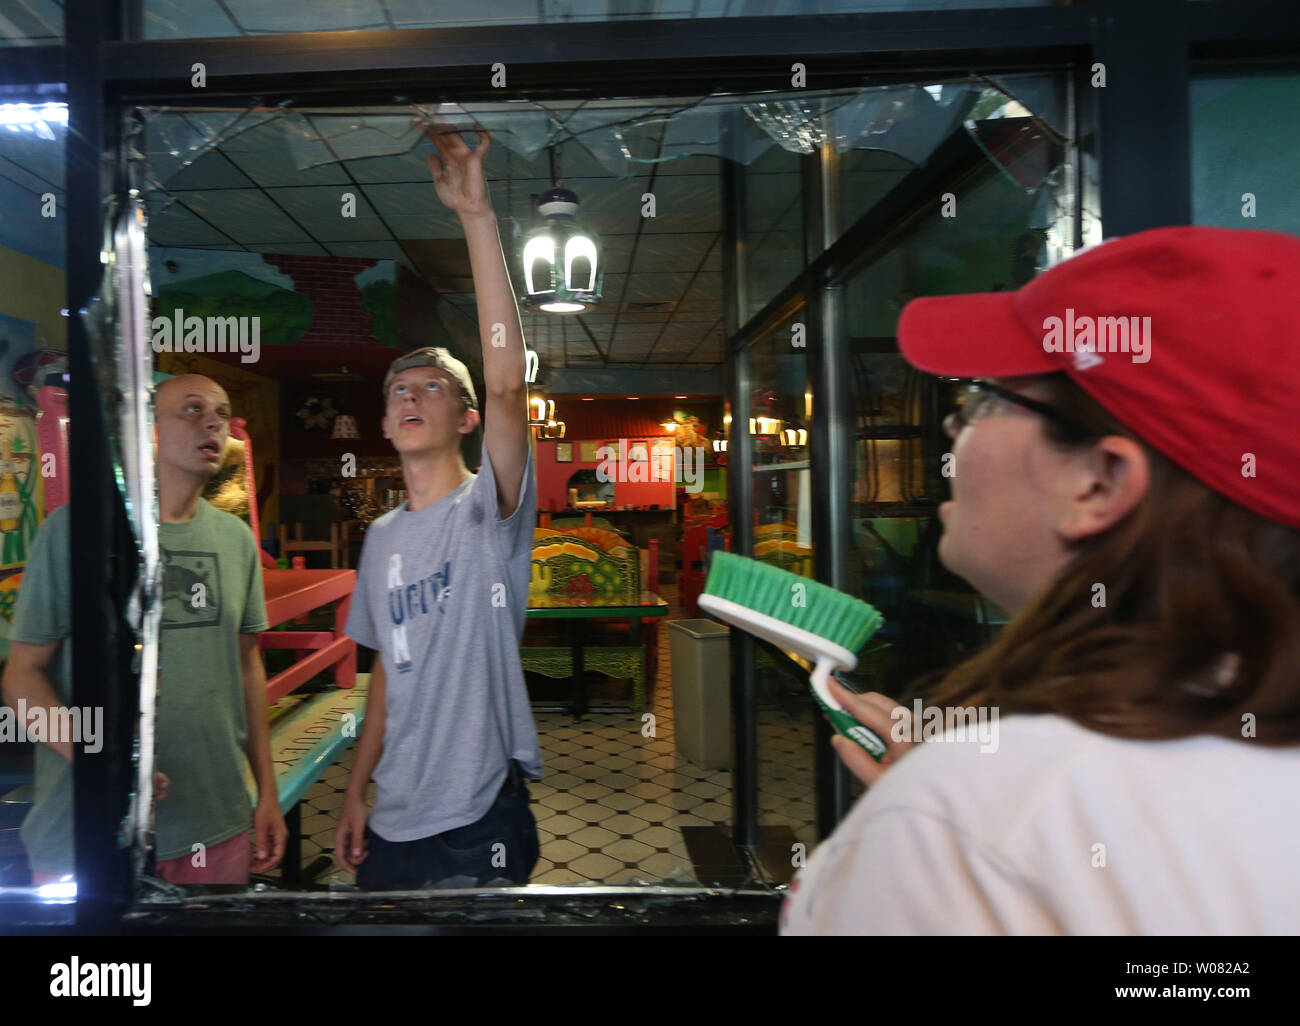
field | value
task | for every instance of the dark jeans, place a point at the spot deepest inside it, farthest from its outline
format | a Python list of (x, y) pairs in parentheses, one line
[(501, 845)]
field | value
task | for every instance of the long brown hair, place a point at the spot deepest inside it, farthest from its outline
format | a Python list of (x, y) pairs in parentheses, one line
[(1200, 628)]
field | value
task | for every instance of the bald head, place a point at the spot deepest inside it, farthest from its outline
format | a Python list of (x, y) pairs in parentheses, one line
[(192, 418), (196, 383)]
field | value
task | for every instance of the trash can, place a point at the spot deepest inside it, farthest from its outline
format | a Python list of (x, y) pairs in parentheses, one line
[(701, 656)]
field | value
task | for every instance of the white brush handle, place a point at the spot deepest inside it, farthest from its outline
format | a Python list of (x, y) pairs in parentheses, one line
[(780, 633), (827, 656)]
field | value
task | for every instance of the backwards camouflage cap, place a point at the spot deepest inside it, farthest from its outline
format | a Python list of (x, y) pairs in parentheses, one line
[(431, 356)]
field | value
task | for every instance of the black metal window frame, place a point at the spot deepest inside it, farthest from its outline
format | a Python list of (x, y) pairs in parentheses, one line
[(1137, 127)]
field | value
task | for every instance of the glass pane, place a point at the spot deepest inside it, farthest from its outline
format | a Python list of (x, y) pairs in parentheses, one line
[(884, 134), (877, 137), (1245, 155), (772, 245), (779, 419), (35, 600), (865, 177), (182, 19), (1000, 235), (31, 22), (248, 221)]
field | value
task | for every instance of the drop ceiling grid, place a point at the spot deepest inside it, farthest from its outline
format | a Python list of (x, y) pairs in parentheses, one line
[(246, 197)]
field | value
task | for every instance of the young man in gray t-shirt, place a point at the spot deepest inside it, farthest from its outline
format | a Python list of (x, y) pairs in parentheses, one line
[(442, 588)]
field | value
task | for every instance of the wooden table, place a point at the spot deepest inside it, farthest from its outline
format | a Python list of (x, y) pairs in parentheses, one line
[(633, 606), (294, 593)]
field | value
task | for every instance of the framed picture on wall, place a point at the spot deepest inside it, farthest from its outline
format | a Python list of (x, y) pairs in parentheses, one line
[(638, 452), (563, 452), (587, 452)]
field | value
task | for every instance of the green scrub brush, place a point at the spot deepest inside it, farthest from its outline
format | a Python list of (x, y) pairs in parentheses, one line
[(821, 624)]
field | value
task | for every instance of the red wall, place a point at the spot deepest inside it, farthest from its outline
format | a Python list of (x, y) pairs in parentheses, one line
[(553, 479), (608, 418)]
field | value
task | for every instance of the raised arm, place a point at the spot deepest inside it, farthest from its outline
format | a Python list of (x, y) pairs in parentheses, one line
[(462, 186)]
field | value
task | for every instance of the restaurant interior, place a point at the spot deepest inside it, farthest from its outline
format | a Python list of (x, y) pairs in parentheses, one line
[(725, 377)]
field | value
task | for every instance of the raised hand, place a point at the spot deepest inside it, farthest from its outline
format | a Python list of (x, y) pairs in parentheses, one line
[(458, 170)]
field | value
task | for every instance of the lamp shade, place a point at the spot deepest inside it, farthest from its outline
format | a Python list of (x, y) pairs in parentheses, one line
[(345, 426)]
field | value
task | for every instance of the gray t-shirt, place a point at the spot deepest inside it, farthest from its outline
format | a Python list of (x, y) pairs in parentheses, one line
[(441, 595)]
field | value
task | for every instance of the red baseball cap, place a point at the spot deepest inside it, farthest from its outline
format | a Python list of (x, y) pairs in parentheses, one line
[(1189, 336)]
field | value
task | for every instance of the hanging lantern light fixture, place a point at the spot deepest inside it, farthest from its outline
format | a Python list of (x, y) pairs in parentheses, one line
[(561, 258)]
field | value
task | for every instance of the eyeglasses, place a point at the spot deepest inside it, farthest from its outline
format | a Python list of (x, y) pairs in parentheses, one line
[(978, 398)]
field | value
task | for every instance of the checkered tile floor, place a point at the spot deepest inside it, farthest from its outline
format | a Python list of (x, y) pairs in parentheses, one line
[(612, 803)]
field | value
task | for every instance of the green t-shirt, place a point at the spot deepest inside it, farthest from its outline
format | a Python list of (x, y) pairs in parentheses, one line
[(44, 614), (212, 588)]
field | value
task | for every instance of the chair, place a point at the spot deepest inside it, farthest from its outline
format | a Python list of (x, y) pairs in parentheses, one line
[(693, 562), (786, 530), (690, 575), (588, 520), (650, 628), (606, 539), (787, 554), (335, 546), (232, 490), (569, 563), (350, 531), (565, 564)]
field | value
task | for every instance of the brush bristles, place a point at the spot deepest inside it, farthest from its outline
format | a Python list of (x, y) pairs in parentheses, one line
[(802, 603)]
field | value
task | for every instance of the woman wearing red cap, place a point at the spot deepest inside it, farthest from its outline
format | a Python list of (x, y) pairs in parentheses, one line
[(1134, 503)]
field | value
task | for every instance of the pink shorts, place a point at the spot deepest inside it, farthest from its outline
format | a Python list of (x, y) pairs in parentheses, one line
[(39, 878), (227, 863)]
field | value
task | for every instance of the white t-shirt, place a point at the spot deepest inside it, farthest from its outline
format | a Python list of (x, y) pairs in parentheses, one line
[(1064, 831)]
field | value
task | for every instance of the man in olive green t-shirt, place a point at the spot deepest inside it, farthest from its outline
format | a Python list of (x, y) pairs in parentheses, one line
[(211, 709)]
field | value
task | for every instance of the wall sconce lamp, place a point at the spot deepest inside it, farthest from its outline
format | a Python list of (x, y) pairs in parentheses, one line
[(540, 411)]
